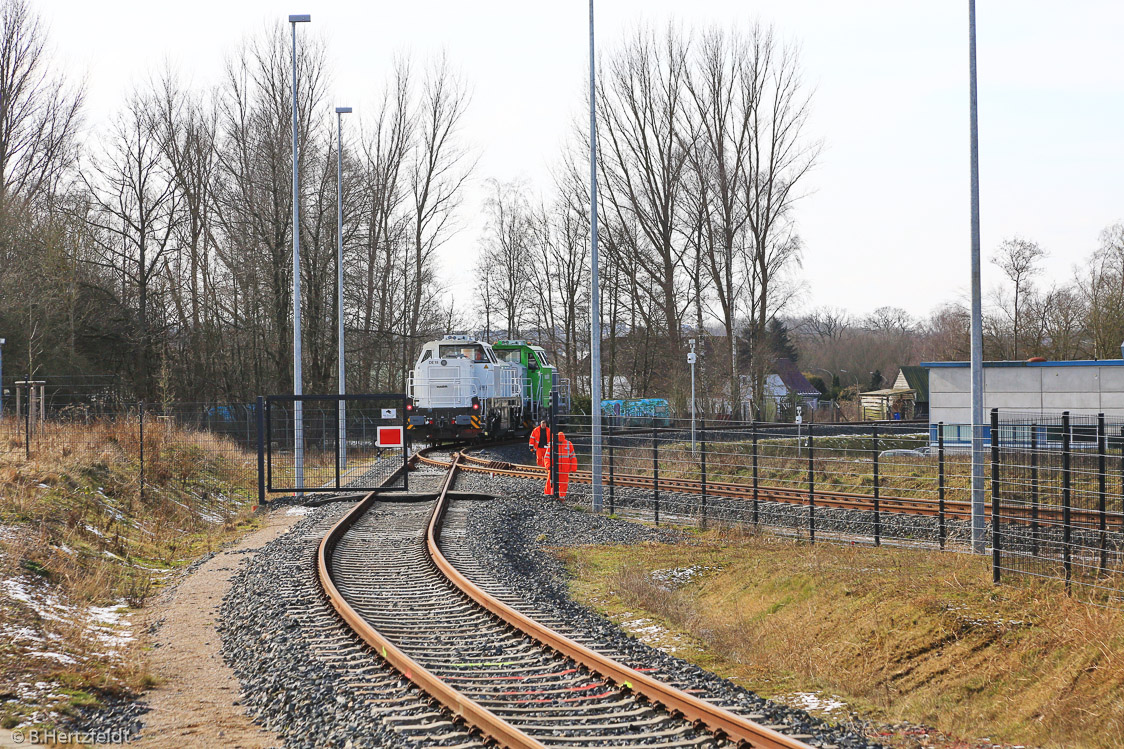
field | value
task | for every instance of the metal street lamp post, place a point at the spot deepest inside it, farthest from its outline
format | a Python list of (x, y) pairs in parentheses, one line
[(298, 387), (340, 112), (978, 539), (594, 299)]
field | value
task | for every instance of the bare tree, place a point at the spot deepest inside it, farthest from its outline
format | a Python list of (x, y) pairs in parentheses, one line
[(780, 159), (507, 242), (136, 207), (642, 99), (439, 166), (1019, 259), (382, 291), (719, 156), (39, 113)]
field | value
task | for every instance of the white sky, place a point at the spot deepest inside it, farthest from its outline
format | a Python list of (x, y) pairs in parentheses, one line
[(887, 223)]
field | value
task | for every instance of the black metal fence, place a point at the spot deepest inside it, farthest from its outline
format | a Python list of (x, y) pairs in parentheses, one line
[(332, 442), (1055, 486)]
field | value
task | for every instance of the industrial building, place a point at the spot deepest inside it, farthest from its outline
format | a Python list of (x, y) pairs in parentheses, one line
[(1022, 388)]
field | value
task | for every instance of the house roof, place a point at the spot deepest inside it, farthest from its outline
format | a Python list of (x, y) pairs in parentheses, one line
[(792, 378), (886, 392), (917, 378)]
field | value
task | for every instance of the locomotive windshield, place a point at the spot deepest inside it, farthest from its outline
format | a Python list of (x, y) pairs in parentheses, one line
[(510, 355), (472, 352)]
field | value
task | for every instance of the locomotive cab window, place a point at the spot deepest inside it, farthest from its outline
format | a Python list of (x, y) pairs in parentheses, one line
[(541, 355), (472, 353), (512, 357), (425, 355)]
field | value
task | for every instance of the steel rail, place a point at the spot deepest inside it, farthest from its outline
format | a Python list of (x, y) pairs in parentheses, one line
[(955, 509), (676, 701), (470, 711)]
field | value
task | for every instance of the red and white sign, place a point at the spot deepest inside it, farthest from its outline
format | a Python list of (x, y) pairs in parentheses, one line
[(389, 437)]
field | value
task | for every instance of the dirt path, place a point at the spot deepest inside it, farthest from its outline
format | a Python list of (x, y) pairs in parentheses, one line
[(195, 702)]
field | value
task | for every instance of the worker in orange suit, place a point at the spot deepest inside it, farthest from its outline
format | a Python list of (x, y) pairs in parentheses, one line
[(540, 443), (567, 464)]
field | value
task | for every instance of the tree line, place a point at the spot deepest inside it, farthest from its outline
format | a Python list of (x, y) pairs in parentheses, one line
[(159, 247), (162, 250)]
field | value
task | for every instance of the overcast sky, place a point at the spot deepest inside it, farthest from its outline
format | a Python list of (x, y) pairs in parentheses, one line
[(887, 222)]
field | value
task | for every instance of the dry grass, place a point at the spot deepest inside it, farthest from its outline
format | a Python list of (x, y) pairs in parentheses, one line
[(76, 531), (900, 635), (845, 464)]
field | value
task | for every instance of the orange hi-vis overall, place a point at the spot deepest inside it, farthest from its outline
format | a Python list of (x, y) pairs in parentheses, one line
[(540, 440), (567, 464)]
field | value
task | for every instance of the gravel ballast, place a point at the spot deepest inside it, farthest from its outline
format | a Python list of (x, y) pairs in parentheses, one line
[(506, 538)]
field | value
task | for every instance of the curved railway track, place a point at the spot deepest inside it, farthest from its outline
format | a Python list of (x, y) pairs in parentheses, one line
[(513, 679), (953, 509)]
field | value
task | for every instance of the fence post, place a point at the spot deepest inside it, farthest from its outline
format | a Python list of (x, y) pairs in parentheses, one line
[(142, 451), (338, 441), (940, 485), (995, 495), (1102, 491), (877, 485), (1034, 499), (656, 473), (554, 443), (753, 442), (27, 422), (269, 444), (612, 471), (261, 449), (811, 485), (1067, 489), (702, 445)]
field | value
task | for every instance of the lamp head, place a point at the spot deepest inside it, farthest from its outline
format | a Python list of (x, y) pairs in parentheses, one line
[(343, 110), (300, 18)]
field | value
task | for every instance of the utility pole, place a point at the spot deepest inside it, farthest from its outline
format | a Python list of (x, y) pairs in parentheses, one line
[(298, 387), (340, 112), (595, 298), (978, 489)]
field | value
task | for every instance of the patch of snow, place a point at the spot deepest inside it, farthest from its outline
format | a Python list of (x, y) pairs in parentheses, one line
[(44, 486), (94, 530), (60, 657), (298, 510), (815, 702), (680, 576)]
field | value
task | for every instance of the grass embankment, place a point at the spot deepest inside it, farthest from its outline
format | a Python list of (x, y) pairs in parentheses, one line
[(897, 635), (81, 547)]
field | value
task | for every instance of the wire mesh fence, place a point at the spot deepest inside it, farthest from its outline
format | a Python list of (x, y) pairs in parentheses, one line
[(1055, 493), (1055, 490)]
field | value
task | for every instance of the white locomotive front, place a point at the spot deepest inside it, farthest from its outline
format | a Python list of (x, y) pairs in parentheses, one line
[(460, 389)]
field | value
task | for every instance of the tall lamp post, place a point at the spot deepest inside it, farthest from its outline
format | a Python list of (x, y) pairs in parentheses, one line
[(298, 387), (595, 295), (978, 538), (340, 112)]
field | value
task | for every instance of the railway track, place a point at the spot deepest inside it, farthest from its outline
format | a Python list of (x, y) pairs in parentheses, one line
[(953, 509), (512, 679)]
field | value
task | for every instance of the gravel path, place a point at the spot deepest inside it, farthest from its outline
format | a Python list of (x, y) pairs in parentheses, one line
[(197, 700)]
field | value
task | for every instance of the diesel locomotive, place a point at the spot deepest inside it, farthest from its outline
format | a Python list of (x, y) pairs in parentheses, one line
[(463, 388)]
